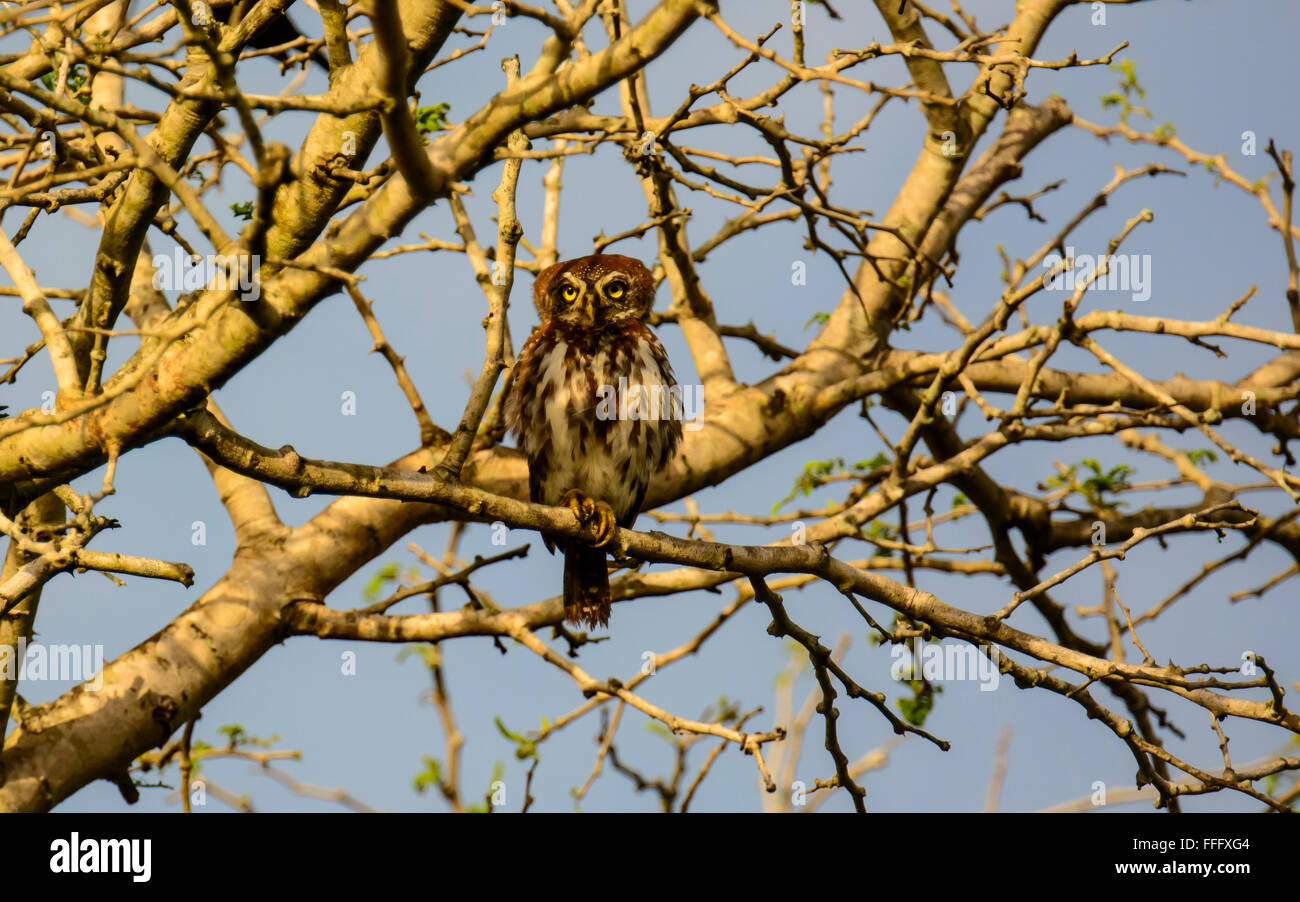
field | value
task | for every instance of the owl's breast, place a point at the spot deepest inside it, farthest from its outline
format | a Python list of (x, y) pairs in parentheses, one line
[(598, 416)]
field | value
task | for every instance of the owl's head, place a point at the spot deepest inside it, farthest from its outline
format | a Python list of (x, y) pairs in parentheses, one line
[(594, 292)]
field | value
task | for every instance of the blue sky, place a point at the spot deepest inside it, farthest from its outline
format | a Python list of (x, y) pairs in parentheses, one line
[(1213, 69)]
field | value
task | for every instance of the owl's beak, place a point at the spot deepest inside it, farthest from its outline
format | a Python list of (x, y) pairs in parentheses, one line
[(589, 310)]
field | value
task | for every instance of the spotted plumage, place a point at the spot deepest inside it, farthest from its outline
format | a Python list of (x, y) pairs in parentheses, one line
[(594, 406)]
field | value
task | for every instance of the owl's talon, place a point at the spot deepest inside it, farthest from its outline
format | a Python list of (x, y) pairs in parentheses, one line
[(594, 516), (604, 526), (580, 503)]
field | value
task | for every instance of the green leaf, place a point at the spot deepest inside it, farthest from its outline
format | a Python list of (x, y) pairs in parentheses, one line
[(917, 708), (815, 473), (525, 747), (660, 730), (375, 585), (1095, 487), (873, 464), (430, 776), (429, 119)]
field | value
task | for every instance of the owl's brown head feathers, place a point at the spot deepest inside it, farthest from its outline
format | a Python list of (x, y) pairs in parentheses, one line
[(594, 292)]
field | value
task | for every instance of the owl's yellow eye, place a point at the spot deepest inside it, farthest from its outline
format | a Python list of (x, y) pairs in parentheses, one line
[(615, 290), (569, 293)]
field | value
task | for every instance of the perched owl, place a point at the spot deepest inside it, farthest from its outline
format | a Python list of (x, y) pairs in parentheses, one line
[(595, 408)]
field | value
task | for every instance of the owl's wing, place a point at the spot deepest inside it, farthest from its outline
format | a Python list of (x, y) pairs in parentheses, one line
[(638, 492), (538, 462)]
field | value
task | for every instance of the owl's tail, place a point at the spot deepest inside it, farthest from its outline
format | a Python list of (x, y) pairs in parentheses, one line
[(586, 585)]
